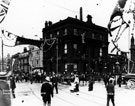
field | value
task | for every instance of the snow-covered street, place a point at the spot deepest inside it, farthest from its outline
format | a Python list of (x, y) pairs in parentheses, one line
[(29, 95)]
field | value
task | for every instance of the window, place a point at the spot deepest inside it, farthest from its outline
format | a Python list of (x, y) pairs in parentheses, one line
[(75, 46), (51, 35), (37, 63), (65, 31), (66, 65), (65, 49), (93, 36), (101, 37), (25, 60), (100, 52), (75, 31), (75, 67), (58, 32), (37, 52), (22, 61)]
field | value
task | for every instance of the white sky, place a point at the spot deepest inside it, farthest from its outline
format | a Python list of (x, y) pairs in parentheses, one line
[(27, 17)]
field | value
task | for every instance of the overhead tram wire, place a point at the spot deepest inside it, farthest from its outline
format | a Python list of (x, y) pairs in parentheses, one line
[(59, 6)]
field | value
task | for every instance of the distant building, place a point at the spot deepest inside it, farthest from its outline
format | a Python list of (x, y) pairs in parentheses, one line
[(28, 60), (35, 58), (76, 46), (21, 62)]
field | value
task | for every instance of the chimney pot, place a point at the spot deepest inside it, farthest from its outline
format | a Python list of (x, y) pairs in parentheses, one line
[(46, 24), (89, 19)]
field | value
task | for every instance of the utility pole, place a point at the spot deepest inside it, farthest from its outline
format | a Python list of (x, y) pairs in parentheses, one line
[(57, 56), (2, 55)]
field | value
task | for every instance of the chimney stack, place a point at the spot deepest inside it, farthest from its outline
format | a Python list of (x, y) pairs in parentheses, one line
[(81, 14), (89, 19), (46, 24)]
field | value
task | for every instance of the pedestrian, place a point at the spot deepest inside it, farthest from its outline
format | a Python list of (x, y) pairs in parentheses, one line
[(75, 85), (12, 85), (113, 79), (76, 81), (46, 92), (91, 82), (55, 83), (110, 92), (119, 81)]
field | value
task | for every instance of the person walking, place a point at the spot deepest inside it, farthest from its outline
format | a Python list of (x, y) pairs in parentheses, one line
[(91, 82), (119, 81), (46, 92), (12, 85), (110, 92), (55, 83)]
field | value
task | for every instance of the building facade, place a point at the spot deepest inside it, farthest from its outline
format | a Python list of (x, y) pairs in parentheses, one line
[(75, 46), (21, 62), (28, 60), (36, 58)]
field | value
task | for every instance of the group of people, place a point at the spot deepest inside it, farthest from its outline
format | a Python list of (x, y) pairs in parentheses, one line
[(51, 83)]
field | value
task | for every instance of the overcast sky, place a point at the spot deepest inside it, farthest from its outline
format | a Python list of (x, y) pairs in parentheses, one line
[(27, 17)]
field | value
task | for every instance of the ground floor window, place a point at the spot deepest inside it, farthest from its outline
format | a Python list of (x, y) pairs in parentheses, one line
[(70, 67)]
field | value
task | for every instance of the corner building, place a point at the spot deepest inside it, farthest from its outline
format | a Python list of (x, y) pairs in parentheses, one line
[(76, 46)]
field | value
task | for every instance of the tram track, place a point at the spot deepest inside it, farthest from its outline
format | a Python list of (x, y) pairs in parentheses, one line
[(73, 96)]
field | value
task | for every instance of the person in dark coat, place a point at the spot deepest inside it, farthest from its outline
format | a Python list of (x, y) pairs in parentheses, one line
[(91, 82), (55, 83), (119, 80), (12, 85), (47, 92), (110, 92)]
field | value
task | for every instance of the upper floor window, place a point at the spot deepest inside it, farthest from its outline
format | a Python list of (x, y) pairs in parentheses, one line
[(93, 36), (100, 52), (101, 37), (66, 65), (51, 35), (65, 31), (75, 31), (65, 49), (25, 60), (75, 46), (38, 52), (75, 67), (58, 32)]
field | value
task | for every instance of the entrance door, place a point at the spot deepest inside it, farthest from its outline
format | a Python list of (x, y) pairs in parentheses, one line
[(70, 67)]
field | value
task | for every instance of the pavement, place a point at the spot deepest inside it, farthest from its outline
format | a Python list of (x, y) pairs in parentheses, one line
[(29, 95)]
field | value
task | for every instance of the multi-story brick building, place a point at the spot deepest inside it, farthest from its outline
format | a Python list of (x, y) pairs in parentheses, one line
[(79, 46)]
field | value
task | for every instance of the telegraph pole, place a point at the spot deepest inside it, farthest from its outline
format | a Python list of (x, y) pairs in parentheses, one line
[(2, 55), (57, 61)]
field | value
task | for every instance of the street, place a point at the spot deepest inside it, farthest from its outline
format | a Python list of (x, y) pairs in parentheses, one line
[(29, 95)]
